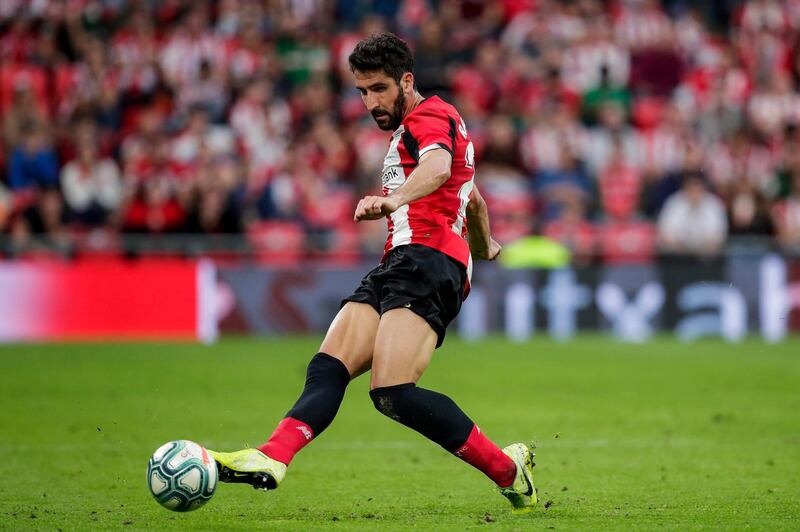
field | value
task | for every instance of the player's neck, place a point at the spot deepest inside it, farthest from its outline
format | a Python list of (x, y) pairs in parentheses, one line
[(415, 101)]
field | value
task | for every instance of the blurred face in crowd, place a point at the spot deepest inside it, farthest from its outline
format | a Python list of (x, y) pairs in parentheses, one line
[(34, 140), (198, 121), (501, 132), (694, 190), (384, 97), (489, 57), (612, 116), (431, 34), (150, 122), (87, 153)]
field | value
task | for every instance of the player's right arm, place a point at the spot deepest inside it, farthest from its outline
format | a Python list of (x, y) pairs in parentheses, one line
[(481, 243), (433, 170)]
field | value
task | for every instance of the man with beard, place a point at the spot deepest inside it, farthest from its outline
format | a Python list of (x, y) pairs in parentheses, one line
[(393, 322)]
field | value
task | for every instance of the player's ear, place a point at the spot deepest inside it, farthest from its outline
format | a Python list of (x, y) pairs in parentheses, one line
[(407, 82)]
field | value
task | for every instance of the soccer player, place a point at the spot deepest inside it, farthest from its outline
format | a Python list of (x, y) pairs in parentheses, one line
[(392, 323)]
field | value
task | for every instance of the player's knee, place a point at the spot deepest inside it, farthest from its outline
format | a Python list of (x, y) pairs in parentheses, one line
[(324, 369), (391, 400)]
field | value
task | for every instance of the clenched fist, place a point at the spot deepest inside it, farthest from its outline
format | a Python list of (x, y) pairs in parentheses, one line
[(375, 207)]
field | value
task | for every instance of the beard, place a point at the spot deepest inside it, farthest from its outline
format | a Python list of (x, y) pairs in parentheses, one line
[(395, 117)]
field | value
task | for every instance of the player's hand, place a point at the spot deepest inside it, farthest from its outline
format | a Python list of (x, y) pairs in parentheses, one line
[(375, 207), (490, 252)]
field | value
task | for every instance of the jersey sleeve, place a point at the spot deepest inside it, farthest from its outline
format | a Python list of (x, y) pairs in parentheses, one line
[(432, 128)]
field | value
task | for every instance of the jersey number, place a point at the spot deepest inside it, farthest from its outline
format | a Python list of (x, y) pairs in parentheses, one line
[(469, 155)]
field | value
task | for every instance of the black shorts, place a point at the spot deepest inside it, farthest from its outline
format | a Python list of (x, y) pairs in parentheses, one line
[(419, 278)]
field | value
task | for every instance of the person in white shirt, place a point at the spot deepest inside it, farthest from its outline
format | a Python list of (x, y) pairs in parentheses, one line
[(91, 186), (693, 220)]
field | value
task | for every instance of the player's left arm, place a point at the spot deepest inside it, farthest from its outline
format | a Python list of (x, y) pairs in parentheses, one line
[(431, 173), (481, 243)]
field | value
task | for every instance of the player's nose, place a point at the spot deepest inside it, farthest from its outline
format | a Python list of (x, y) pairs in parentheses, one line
[(371, 102)]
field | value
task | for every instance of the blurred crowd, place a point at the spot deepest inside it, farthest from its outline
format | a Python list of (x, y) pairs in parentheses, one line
[(621, 128)]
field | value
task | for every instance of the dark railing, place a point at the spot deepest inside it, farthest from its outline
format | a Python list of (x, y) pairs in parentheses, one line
[(177, 245), (241, 247)]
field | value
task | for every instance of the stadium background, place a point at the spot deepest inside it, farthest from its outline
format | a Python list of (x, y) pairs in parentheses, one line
[(174, 171), (230, 130)]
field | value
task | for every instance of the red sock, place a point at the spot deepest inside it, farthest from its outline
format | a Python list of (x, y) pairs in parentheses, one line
[(482, 454), (286, 441)]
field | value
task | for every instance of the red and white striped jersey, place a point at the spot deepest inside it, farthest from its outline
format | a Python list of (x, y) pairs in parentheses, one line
[(437, 220), (639, 29)]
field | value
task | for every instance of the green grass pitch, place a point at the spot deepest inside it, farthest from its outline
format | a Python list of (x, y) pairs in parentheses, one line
[(660, 435)]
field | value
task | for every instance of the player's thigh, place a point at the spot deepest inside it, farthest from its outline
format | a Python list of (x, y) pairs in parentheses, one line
[(351, 337), (403, 348)]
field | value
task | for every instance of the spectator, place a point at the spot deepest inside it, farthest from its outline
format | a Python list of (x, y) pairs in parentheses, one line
[(23, 112), (208, 92), (432, 61), (623, 237), (33, 162), (477, 86), (282, 197), (218, 139), (657, 69), (92, 186), (92, 87), (135, 147), (693, 220), (554, 130), (262, 123), (189, 47), (774, 106), (612, 128), (33, 179), (501, 149), (660, 188), (642, 25), (134, 49), (786, 217), (5, 207), (154, 209), (747, 211), (583, 63), (573, 230), (558, 97), (216, 207), (566, 185), (605, 92), (620, 187)]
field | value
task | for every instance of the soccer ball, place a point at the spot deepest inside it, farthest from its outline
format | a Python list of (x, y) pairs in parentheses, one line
[(181, 476)]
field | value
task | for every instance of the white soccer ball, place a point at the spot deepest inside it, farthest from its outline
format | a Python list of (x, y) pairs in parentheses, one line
[(181, 476)]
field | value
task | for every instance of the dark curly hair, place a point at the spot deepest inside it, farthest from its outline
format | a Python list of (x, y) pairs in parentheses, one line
[(383, 51)]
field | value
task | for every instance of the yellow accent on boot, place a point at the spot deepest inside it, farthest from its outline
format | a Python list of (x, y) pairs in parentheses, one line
[(522, 493), (245, 464)]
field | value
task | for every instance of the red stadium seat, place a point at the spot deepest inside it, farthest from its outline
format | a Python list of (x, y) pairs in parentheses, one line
[(64, 82), (344, 246), (278, 243), (331, 209), (14, 77)]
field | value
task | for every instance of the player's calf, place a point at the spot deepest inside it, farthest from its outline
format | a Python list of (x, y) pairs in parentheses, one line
[(439, 419), (326, 381), (265, 467)]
